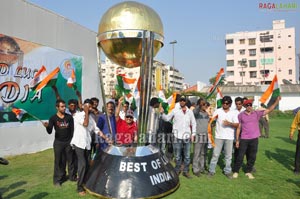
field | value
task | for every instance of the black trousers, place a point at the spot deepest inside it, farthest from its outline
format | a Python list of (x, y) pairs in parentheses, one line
[(63, 155), (297, 155), (249, 147), (82, 157)]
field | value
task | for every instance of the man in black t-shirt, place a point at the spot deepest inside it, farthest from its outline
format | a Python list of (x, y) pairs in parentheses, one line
[(64, 126)]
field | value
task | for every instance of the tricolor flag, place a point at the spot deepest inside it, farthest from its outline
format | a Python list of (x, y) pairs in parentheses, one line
[(125, 85), (164, 103), (49, 80), (209, 130), (21, 114), (273, 91), (219, 98), (220, 76), (38, 77), (71, 80)]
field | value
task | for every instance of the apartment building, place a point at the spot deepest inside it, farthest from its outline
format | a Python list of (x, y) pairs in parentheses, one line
[(253, 58), (163, 76)]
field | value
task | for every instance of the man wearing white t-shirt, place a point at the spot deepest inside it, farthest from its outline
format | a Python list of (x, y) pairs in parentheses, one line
[(226, 123)]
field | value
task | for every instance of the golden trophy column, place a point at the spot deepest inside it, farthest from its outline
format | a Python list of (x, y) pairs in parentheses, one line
[(130, 34)]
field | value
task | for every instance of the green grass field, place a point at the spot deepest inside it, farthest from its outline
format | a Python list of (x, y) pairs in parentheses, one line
[(30, 176)]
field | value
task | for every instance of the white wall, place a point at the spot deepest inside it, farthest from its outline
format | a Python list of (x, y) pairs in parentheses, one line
[(28, 22)]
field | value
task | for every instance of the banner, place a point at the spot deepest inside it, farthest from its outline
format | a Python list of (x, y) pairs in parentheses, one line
[(33, 77)]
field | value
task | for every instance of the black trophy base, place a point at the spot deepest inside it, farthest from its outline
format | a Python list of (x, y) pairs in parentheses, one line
[(131, 172)]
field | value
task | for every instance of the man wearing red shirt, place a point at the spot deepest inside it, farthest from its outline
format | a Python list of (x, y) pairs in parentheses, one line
[(127, 128)]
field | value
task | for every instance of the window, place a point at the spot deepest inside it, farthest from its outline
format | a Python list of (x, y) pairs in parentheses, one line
[(229, 41), (242, 51), (252, 52), (251, 41), (242, 74), (230, 62), (252, 63), (290, 72), (253, 74), (230, 73), (266, 38), (290, 46), (289, 35), (242, 41), (230, 52), (279, 47), (266, 50)]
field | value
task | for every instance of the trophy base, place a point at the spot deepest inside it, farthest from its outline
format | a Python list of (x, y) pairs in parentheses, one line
[(131, 172)]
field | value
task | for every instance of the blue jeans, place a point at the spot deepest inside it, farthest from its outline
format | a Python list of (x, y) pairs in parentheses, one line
[(178, 146), (228, 155)]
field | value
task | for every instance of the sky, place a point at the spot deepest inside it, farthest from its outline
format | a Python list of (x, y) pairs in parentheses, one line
[(199, 27)]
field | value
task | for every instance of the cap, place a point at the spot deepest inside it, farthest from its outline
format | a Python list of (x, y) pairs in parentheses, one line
[(182, 98), (129, 113), (247, 101)]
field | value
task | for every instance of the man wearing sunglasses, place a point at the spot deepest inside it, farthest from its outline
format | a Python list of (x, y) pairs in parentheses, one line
[(226, 123), (184, 126), (126, 128), (248, 139)]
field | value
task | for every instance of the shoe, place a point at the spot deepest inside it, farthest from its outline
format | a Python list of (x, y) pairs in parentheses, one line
[(210, 174), (253, 170), (82, 193), (178, 172), (3, 161), (73, 179), (197, 174), (57, 184), (187, 175), (235, 175), (228, 175), (250, 176)]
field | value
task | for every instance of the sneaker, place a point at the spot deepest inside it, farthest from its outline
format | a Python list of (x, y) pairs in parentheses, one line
[(235, 175), (228, 175), (210, 174), (250, 176), (197, 174), (57, 184), (253, 170), (178, 172), (82, 193), (187, 175)]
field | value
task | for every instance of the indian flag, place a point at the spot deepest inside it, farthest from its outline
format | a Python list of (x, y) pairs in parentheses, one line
[(38, 77), (49, 80), (125, 85), (219, 98), (21, 114), (71, 80), (210, 131), (273, 91), (220, 76)]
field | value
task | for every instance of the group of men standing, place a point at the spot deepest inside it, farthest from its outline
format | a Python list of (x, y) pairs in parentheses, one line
[(82, 129), (234, 129)]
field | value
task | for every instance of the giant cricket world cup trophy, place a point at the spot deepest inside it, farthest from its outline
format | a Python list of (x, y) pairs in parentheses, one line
[(130, 34)]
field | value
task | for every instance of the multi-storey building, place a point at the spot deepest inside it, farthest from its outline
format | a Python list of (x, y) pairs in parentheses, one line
[(253, 58), (175, 79), (163, 76)]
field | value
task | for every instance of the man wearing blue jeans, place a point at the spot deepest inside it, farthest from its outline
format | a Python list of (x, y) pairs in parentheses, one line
[(226, 122), (184, 124)]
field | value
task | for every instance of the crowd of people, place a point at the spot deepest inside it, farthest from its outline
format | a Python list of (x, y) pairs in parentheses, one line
[(82, 130)]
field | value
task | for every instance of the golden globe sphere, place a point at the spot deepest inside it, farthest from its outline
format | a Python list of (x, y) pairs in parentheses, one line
[(122, 29)]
